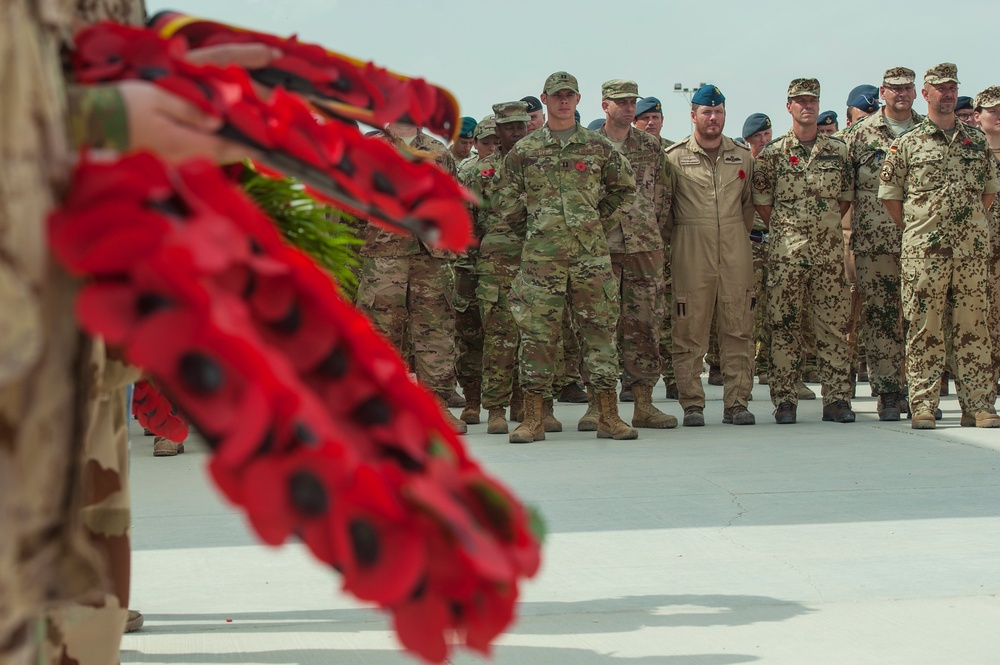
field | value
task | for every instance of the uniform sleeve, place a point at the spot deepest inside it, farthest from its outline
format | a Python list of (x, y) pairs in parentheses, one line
[(664, 197), (893, 173), (992, 185), (763, 179), (619, 189), (848, 177), (509, 203)]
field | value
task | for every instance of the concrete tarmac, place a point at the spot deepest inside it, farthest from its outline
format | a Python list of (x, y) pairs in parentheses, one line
[(815, 543)]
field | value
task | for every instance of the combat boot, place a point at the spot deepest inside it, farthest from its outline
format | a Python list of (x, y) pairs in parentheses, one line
[(497, 421), (785, 413), (531, 428), (573, 393), (454, 423), (644, 414), (671, 391), (888, 407), (473, 403), (968, 419), (454, 400), (626, 394), (517, 403), (804, 391), (738, 415), (986, 419), (588, 423), (694, 416), (715, 377), (838, 411), (923, 420), (549, 422), (610, 425)]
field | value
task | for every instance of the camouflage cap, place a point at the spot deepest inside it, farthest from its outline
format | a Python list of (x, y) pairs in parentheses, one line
[(511, 112), (619, 89), (803, 88), (899, 76), (943, 73), (560, 81), (487, 127), (988, 97)]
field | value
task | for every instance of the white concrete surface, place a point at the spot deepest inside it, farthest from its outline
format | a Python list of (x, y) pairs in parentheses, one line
[(816, 543)]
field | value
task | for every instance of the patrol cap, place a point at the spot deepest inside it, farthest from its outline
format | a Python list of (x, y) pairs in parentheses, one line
[(708, 95), (827, 118), (468, 128), (943, 73), (756, 122), (864, 97), (988, 97), (619, 89), (647, 104), (803, 88), (899, 76), (487, 127), (560, 81), (506, 112), (596, 124), (533, 103), (963, 102)]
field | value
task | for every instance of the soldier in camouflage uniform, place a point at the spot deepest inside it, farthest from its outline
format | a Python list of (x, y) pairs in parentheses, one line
[(468, 325), (649, 118), (562, 187), (498, 262), (711, 215), (987, 115), (757, 134), (803, 184), (461, 147), (875, 239), (406, 285), (636, 246), (938, 179)]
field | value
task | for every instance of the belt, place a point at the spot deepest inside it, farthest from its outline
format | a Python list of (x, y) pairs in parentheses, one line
[(759, 236)]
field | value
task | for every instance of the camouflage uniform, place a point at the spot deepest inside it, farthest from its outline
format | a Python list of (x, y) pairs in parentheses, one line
[(636, 246), (712, 266), (806, 260), (666, 328), (986, 99), (562, 199), (941, 181), (875, 239), (52, 380), (405, 285)]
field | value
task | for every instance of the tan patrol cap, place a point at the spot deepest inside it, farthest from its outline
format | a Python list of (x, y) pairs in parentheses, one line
[(506, 112), (899, 76), (943, 73), (988, 98), (619, 89), (803, 87), (560, 81), (486, 127)]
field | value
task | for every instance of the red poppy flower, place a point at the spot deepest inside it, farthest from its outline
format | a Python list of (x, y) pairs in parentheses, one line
[(488, 173), (581, 167), (743, 174), (793, 160), (967, 142)]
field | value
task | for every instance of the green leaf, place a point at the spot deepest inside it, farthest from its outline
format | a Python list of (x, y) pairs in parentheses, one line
[(326, 234)]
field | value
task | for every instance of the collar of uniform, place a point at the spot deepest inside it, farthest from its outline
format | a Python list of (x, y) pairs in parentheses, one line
[(727, 145), (573, 138)]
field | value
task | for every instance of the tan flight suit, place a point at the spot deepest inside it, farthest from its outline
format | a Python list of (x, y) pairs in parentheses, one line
[(712, 263)]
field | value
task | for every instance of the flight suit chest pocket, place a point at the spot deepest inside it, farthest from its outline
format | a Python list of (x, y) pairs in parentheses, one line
[(927, 171)]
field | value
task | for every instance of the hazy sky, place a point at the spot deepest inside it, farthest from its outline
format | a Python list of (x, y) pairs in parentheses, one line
[(750, 50)]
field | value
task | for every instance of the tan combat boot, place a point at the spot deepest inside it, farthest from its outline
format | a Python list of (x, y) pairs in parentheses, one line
[(610, 425), (588, 423), (531, 428), (456, 425), (645, 414), (473, 403), (549, 421), (497, 421), (517, 403)]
